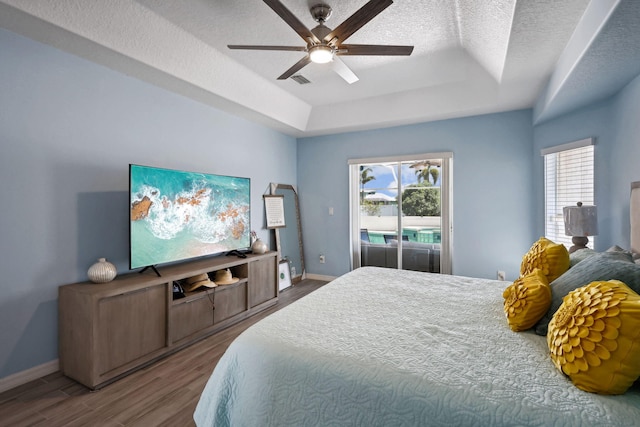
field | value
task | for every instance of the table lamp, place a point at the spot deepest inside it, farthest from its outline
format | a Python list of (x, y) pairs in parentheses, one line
[(579, 222)]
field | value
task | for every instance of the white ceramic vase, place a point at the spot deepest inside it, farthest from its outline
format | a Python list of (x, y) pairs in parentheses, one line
[(259, 247), (102, 271)]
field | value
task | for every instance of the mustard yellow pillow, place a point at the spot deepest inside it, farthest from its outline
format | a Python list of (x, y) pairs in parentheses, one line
[(551, 258), (594, 337), (526, 300)]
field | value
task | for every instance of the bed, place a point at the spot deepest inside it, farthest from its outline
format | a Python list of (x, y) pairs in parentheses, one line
[(383, 347)]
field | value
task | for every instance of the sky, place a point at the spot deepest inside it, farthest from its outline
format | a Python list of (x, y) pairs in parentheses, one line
[(386, 181)]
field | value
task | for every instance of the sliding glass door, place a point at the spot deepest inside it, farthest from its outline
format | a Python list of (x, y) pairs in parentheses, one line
[(401, 212)]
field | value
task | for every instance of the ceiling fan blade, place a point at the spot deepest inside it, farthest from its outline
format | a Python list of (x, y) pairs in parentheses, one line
[(374, 49), (253, 47), (291, 19), (353, 23), (296, 67), (343, 70)]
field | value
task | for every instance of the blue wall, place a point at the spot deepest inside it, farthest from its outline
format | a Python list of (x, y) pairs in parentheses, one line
[(623, 160), (615, 125), (492, 204), (68, 131), (69, 128)]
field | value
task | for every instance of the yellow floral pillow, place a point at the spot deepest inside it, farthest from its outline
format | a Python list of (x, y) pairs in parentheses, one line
[(594, 337), (526, 300), (551, 258)]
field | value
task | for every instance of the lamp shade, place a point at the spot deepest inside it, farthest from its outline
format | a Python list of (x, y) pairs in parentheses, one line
[(580, 220)]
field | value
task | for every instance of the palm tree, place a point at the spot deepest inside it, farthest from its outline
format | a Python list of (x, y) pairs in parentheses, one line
[(424, 171), (364, 175), (364, 178), (423, 174), (435, 173)]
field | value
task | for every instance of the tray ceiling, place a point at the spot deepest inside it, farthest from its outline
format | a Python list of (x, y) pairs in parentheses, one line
[(470, 57)]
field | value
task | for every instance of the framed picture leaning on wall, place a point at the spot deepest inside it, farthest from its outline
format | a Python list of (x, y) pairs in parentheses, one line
[(284, 275)]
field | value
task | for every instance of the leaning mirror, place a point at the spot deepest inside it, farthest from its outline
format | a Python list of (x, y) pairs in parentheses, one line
[(289, 237)]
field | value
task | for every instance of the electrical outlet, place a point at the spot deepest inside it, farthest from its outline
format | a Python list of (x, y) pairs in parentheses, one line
[(502, 275), (321, 259)]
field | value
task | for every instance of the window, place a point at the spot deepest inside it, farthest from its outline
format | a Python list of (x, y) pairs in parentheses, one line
[(568, 179), (400, 210)]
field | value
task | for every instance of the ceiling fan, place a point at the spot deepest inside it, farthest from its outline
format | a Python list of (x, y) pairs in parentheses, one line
[(325, 45)]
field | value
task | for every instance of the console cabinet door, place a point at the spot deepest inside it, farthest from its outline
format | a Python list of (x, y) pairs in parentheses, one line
[(230, 300), (189, 316), (262, 281), (131, 325)]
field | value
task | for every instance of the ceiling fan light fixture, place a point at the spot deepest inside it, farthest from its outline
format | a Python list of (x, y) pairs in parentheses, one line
[(323, 45), (321, 54)]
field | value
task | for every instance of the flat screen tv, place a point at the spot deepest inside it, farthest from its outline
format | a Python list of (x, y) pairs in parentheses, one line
[(176, 215)]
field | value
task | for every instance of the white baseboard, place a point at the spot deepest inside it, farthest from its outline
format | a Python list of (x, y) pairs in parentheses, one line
[(319, 277), (19, 378)]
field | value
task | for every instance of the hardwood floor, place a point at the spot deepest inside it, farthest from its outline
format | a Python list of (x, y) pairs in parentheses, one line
[(162, 394)]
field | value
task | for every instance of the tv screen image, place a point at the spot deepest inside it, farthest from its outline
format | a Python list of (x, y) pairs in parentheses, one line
[(177, 215)]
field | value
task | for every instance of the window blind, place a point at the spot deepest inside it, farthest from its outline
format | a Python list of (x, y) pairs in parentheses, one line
[(568, 176)]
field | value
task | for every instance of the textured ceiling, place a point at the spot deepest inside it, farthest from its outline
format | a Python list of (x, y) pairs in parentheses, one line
[(599, 68), (470, 56)]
